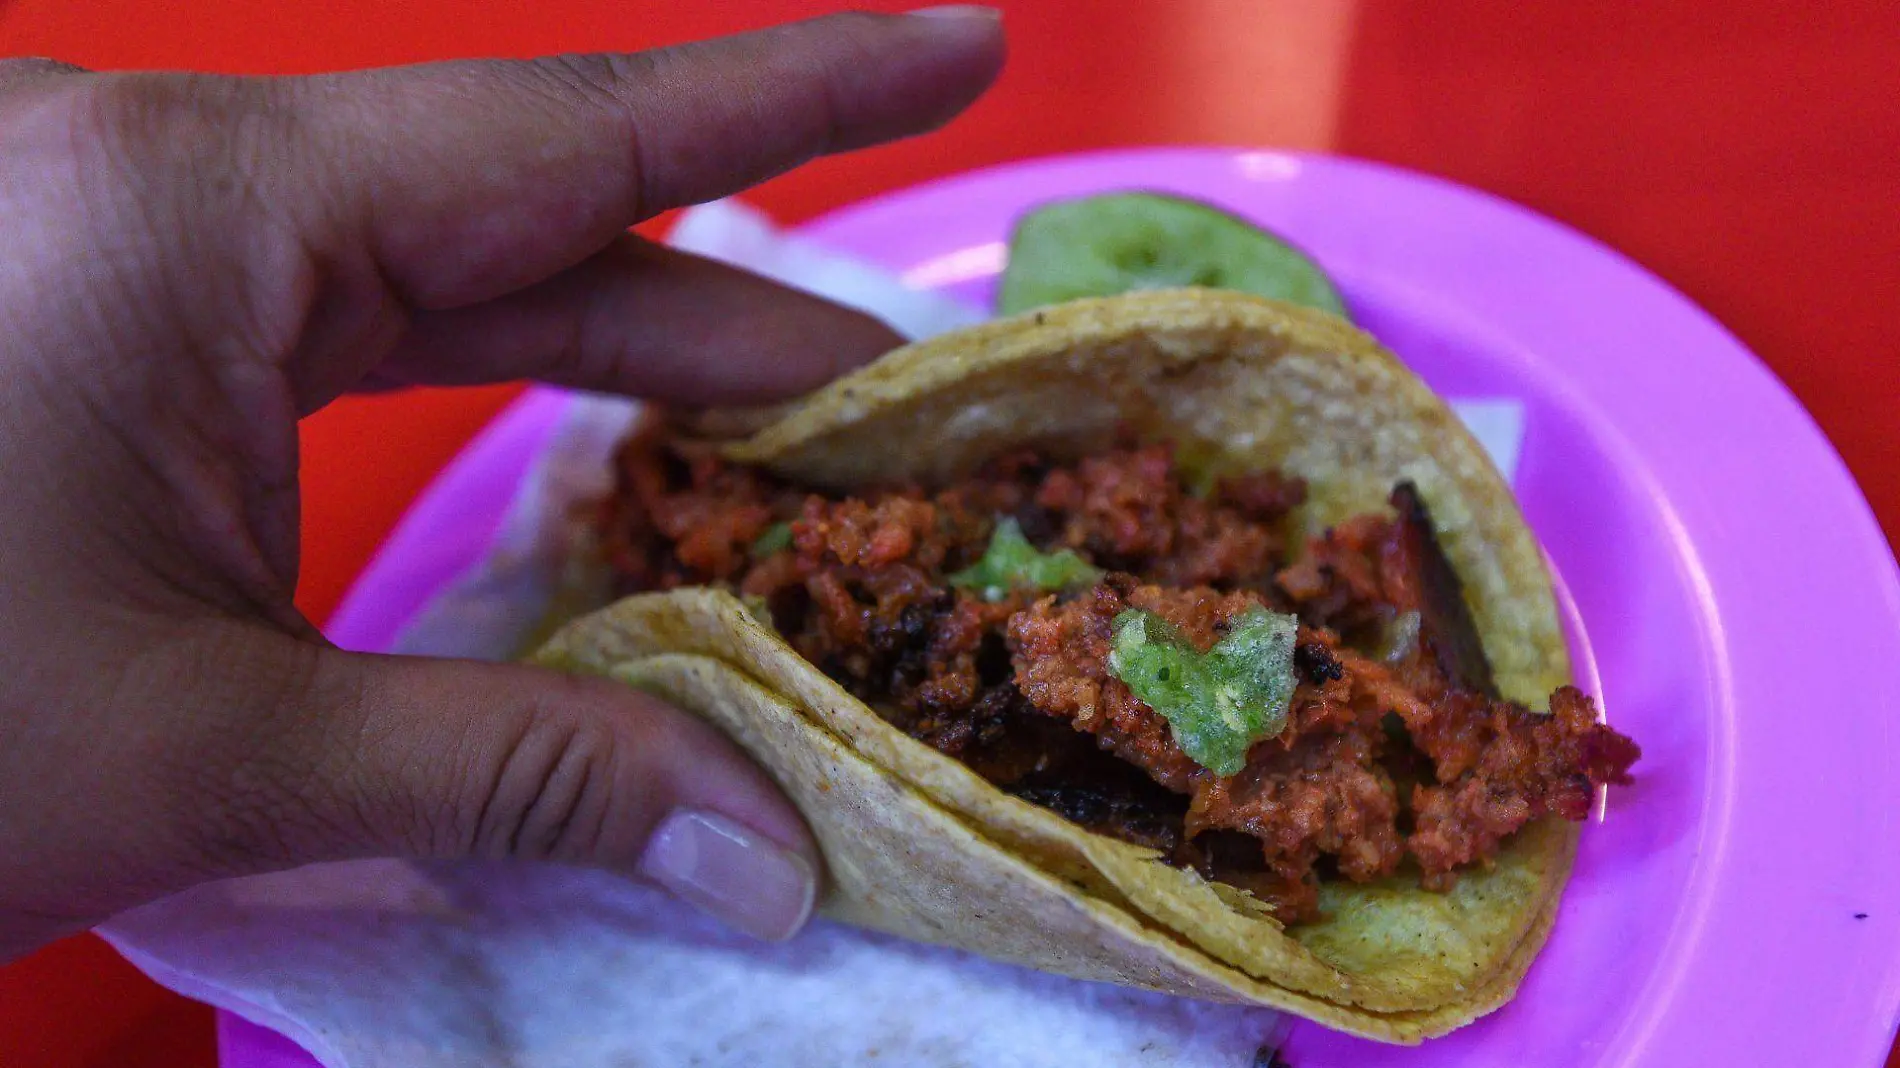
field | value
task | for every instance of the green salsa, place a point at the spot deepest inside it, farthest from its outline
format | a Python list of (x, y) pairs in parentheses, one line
[(1219, 703), (777, 538), (1012, 563)]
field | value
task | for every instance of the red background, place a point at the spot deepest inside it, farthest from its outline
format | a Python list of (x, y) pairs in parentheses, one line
[(1748, 152)]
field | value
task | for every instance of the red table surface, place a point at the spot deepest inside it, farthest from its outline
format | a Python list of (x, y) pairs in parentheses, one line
[(1747, 152)]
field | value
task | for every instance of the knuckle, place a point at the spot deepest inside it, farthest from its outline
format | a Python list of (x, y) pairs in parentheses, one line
[(130, 118), (548, 793), (140, 137), (601, 78), (608, 87), (139, 179)]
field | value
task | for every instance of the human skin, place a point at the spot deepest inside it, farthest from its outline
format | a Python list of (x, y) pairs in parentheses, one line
[(190, 263)]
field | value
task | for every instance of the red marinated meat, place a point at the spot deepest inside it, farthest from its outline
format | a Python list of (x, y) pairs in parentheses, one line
[(1397, 750)]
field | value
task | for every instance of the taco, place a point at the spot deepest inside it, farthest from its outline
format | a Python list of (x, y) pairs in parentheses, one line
[(1182, 639)]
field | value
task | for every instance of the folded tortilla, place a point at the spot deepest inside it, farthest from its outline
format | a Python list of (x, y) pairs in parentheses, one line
[(918, 845)]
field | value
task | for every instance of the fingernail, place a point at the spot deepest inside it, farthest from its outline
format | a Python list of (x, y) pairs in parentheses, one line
[(731, 872), (959, 11)]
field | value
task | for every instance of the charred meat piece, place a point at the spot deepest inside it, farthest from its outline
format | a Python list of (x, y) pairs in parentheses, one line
[(1135, 816), (1418, 578)]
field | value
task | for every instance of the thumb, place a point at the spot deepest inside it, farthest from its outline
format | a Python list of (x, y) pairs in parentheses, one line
[(438, 758)]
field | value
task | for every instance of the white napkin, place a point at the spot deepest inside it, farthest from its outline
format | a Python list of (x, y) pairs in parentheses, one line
[(392, 964)]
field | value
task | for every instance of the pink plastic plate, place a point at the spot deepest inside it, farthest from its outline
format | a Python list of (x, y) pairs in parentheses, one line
[(1740, 905)]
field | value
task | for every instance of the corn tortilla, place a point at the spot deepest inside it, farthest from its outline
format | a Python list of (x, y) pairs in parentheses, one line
[(920, 846)]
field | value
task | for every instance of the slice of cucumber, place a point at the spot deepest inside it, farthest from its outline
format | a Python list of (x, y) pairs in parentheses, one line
[(1102, 245)]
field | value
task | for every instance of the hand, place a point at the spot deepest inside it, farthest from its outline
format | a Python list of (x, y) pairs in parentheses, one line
[(188, 264)]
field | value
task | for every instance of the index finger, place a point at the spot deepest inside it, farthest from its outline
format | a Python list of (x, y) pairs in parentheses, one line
[(470, 180)]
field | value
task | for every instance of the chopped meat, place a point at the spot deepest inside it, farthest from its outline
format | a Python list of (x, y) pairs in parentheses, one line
[(1324, 794), (1325, 787), (1061, 657), (1336, 584), (1362, 578), (1396, 748), (1132, 511), (702, 515), (1499, 767), (1264, 497), (856, 534)]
